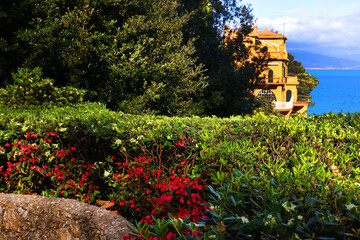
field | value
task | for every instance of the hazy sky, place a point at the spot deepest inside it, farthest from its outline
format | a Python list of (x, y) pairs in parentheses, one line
[(326, 27)]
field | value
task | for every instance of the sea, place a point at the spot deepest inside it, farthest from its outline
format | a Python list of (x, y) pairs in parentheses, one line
[(338, 90)]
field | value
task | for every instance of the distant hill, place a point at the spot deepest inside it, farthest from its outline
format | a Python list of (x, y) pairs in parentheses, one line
[(311, 60)]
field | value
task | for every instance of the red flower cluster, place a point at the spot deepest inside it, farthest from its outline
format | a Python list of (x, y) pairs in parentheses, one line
[(178, 195), (45, 168)]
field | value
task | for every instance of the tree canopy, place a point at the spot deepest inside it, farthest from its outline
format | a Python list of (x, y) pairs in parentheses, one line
[(307, 82), (138, 56)]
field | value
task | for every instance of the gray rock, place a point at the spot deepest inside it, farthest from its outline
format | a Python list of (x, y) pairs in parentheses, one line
[(37, 217)]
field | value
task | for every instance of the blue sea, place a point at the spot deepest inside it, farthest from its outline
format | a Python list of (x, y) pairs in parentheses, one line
[(337, 90)]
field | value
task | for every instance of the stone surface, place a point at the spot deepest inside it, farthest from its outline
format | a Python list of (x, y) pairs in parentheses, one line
[(36, 217)]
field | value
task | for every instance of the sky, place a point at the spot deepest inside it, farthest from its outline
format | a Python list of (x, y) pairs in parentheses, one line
[(326, 27)]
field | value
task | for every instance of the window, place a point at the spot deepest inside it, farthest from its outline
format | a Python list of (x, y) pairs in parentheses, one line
[(288, 95), (268, 94), (271, 76)]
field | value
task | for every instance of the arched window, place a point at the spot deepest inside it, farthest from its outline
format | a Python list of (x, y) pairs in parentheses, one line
[(271, 76), (268, 94), (288, 95)]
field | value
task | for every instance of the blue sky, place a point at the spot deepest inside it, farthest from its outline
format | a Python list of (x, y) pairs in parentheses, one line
[(326, 27)]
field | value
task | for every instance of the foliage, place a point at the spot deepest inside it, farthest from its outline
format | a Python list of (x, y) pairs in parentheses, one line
[(14, 16), (39, 165), (148, 191), (266, 106), (159, 57), (129, 55), (259, 175), (30, 88), (229, 87), (307, 82)]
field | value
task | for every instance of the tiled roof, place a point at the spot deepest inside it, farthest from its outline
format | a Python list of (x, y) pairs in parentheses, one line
[(266, 34)]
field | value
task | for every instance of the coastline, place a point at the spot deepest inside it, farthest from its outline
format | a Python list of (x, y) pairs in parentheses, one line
[(330, 68)]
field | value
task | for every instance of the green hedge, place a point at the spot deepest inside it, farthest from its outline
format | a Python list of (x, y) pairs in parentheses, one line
[(267, 177)]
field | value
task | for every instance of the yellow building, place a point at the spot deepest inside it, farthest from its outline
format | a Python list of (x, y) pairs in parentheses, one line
[(277, 86)]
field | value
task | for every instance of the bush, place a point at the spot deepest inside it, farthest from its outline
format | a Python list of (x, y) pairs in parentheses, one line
[(31, 89), (259, 175)]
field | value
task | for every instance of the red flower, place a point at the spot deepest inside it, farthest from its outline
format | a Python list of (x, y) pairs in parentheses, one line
[(62, 153), (53, 134), (181, 143), (170, 235)]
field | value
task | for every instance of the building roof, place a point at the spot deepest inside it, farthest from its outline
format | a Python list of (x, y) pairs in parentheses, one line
[(266, 34)]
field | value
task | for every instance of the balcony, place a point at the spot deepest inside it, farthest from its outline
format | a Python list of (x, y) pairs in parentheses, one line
[(284, 106)]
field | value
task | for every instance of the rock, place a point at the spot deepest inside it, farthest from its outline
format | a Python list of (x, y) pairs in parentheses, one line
[(37, 217)]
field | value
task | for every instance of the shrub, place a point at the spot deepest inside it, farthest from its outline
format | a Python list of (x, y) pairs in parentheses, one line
[(31, 89), (260, 175), (40, 165), (147, 190)]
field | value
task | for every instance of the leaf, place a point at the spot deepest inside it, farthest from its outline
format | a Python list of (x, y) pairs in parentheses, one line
[(214, 192)]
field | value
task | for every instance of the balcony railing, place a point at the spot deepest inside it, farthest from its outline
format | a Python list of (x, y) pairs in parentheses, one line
[(284, 105)]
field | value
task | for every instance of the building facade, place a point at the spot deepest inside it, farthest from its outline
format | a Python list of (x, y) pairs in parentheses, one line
[(277, 85)]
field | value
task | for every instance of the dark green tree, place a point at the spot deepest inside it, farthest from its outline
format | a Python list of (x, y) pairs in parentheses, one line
[(229, 89), (307, 82), (137, 56), (14, 16), (130, 54)]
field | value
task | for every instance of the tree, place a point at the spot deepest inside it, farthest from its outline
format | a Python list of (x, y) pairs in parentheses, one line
[(307, 82), (129, 54), (229, 89), (14, 16), (137, 56)]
